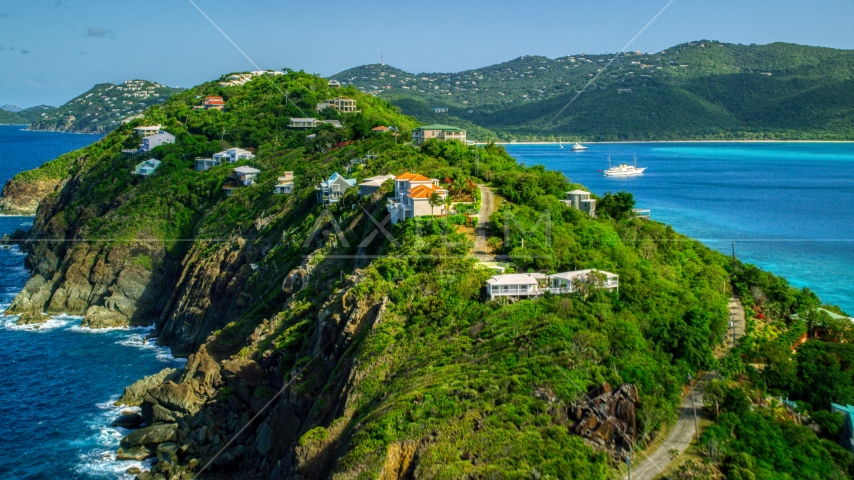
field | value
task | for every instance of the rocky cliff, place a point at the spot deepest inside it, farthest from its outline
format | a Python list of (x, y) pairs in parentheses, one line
[(22, 197), (321, 346)]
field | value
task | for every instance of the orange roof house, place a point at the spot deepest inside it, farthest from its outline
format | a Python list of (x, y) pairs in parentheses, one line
[(412, 194), (214, 102)]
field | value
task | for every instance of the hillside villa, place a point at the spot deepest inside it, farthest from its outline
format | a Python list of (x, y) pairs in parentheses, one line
[(535, 284), (381, 129), (580, 200), (147, 167), (442, 133), (152, 141), (240, 177), (846, 433), (642, 213), (205, 164), (284, 184), (232, 155), (246, 175), (334, 84), (373, 184), (146, 131), (303, 123), (412, 193), (214, 103), (341, 104), (332, 190)]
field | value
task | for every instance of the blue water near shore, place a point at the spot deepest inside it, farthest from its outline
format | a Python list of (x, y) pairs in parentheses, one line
[(59, 381), (788, 207)]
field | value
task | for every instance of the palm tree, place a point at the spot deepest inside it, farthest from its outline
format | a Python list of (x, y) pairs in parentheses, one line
[(435, 200), (449, 202)]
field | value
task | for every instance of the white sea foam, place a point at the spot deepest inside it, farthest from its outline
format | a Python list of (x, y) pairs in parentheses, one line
[(162, 353), (55, 321), (101, 461)]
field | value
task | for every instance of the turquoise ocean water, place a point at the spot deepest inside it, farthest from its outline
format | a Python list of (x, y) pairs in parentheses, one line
[(787, 207)]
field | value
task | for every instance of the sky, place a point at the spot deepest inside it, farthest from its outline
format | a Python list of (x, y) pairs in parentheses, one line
[(53, 50)]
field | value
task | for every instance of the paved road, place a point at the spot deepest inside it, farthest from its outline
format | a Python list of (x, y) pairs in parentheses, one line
[(683, 432), (679, 438), (487, 206), (737, 320)]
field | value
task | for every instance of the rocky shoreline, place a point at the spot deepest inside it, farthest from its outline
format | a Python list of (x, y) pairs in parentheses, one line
[(23, 197)]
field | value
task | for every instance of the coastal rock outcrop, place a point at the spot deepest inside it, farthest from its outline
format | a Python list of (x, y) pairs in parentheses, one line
[(32, 318), (22, 196), (606, 418), (134, 393)]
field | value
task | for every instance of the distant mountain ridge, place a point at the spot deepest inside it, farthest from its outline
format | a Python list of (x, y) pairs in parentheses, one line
[(98, 110), (697, 90), (102, 108), (11, 108)]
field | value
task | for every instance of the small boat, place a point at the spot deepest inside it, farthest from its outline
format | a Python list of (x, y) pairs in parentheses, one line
[(578, 147), (560, 143), (624, 170)]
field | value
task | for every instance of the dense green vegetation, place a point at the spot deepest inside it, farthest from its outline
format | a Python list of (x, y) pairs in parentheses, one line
[(754, 434), (483, 387), (697, 90)]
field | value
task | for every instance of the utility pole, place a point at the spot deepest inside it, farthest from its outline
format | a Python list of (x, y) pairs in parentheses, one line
[(733, 257), (629, 463), (694, 407)]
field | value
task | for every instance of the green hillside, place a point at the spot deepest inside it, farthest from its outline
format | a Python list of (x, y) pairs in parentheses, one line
[(701, 90), (7, 118), (374, 356), (100, 109)]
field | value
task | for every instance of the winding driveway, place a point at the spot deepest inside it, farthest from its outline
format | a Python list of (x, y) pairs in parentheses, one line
[(683, 432), (487, 206)]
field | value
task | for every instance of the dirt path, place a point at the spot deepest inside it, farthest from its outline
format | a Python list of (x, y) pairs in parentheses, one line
[(487, 207), (683, 432)]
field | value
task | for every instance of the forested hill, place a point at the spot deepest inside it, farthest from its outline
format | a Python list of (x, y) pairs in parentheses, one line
[(100, 109), (368, 350), (697, 90)]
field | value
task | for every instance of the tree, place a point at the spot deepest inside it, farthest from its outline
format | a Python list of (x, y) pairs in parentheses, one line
[(617, 205), (494, 243), (435, 200)]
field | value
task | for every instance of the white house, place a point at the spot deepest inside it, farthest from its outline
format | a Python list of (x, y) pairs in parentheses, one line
[(232, 155), (303, 123), (146, 131), (342, 104), (153, 141), (566, 282), (246, 175), (372, 184), (513, 285), (412, 193), (205, 164), (148, 167), (580, 200), (284, 184), (534, 284)]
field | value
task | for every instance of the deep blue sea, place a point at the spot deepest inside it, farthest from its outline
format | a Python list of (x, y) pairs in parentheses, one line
[(59, 382), (788, 207)]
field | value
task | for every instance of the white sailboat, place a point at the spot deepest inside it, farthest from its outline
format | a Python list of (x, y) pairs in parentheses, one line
[(624, 170), (560, 142)]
